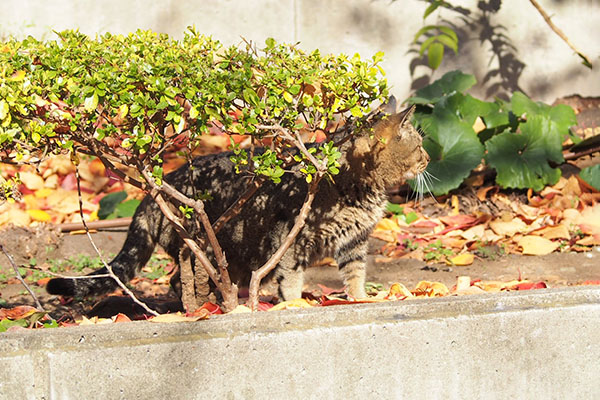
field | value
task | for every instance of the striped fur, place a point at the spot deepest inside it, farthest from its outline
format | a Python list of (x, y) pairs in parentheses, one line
[(343, 214)]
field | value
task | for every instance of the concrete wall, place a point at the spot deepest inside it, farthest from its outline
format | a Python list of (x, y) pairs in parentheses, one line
[(527, 345), (540, 63)]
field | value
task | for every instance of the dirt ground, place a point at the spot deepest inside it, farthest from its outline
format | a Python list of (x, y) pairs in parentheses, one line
[(557, 269)]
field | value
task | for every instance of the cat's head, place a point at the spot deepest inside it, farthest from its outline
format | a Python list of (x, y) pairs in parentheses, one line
[(394, 149)]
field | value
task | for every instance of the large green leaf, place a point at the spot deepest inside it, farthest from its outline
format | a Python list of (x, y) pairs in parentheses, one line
[(454, 150), (561, 115), (468, 108), (451, 82), (521, 159), (591, 175)]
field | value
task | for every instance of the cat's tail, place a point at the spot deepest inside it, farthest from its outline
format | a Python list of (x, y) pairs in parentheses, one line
[(136, 251)]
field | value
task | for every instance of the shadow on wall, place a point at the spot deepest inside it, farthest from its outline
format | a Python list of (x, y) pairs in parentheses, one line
[(503, 68)]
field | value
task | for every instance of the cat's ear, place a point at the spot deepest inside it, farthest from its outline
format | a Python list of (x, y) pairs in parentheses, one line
[(390, 106), (407, 115)]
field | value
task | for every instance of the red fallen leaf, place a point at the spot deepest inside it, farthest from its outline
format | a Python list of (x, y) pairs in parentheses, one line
[(18, 312), (529, 286), (121, 318), (327, 290), (43, 281), (264, 306), (325, 301), (460, 219), (591, 282), (205, 310), (69, 182)]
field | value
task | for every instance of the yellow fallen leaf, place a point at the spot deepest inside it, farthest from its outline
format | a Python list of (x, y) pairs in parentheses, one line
[(431, 289), (31, 181), (473, 233), (39, 215), (15, 216), (455, 205), (296, 303), (537, 245), (508, 228), (478, 125), (387, 224), (554, 232), (398, 290), (463, 259), (42, 193)]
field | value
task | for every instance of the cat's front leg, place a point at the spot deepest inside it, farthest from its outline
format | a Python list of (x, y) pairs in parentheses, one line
[(352, 264), (289, 276)]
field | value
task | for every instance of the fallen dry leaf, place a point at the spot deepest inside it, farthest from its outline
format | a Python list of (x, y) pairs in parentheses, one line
[(296, 303), (537, 245), (431, 289), (462, 259)]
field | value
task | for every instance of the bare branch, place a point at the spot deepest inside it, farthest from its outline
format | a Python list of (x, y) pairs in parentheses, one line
[(106, 265), (560, 33), (20, 278)]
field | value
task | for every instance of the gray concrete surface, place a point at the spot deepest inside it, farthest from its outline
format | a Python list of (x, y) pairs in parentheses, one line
[(539, 62), (539, 344)]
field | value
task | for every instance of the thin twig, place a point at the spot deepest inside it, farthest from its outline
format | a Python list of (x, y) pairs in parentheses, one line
[(586, 60), (106, 265), (20, 278), (61, 275)]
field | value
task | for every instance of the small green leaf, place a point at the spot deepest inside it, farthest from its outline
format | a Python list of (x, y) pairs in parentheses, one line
[(288, 97), (356, 112), (435, 54), (449, 42), (425, 45), (194, 113), (422, 31), (432, 7), (3, 109), (90, 103)]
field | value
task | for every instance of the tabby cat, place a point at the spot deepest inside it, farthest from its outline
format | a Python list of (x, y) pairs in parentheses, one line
[(343, 214)]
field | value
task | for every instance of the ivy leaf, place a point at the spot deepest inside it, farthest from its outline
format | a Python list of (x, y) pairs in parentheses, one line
[(109, 203), (469, 108), (521, 160), (454, 150), (591, 175), (435, 54), (451, 82), (127, 208)]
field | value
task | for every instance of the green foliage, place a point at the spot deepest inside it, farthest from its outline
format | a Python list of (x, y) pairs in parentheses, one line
[(435, 38), (113, 206), (130, 97), (521, 138), (398, 211), (591, 175)]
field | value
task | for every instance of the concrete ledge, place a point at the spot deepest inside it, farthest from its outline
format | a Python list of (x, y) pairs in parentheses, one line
[(537, 344)]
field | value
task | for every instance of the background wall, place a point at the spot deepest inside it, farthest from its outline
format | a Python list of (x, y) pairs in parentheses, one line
[(506, 49)]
